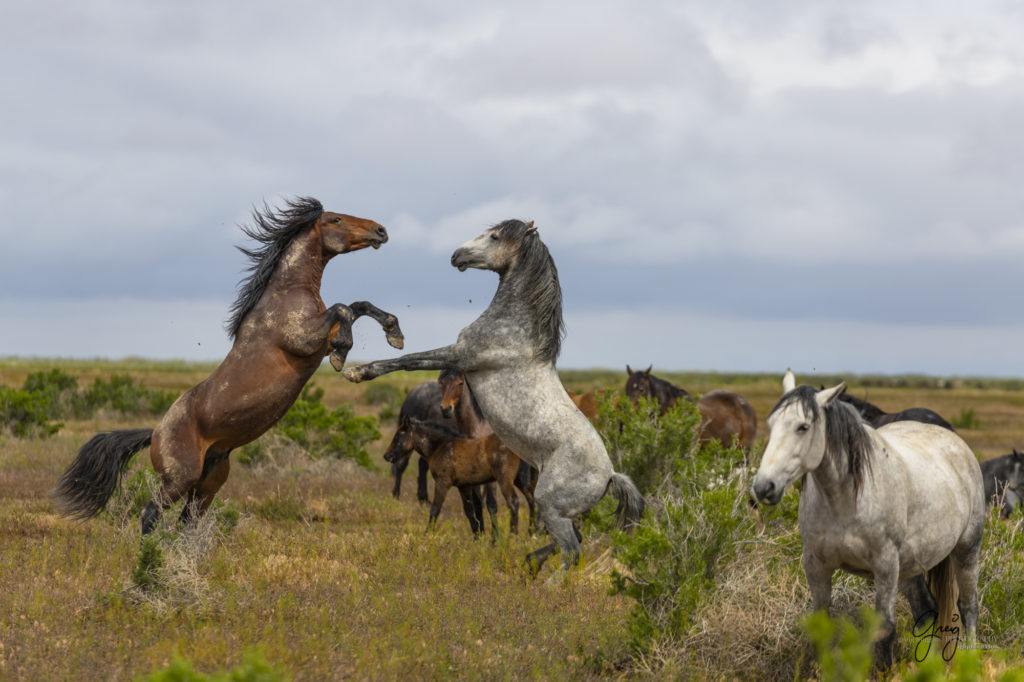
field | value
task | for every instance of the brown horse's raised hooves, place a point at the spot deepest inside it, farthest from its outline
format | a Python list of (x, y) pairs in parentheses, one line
[(337, 362)]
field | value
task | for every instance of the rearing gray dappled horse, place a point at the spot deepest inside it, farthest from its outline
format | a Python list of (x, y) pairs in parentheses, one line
[(508, 356)]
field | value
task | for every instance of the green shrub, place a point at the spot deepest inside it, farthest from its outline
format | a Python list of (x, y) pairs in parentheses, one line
[(843, 648), (338, 433), (56, 387), (697, 511), (648, 448), (26, 414), (253, 668), (149, 561), (388, 396), (967, 419), (124, 394)]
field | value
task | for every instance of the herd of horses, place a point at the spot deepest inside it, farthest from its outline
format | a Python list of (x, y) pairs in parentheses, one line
[(896, 497)]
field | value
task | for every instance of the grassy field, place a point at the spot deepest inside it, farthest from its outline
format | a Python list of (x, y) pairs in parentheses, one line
[(331, 578)]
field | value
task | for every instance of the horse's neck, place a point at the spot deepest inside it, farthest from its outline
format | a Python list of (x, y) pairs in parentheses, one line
[(302, 265), (467, 420), (427, 443), (833, 479), (508, 299), (660, 387)]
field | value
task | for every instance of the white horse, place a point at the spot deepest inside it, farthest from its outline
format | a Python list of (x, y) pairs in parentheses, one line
[(508, 357), (891, 504)]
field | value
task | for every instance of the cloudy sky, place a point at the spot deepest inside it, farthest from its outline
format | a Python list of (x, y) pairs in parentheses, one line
[(724, 184)]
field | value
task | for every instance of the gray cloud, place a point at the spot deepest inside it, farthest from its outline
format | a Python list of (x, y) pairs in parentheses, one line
[(804, 162)]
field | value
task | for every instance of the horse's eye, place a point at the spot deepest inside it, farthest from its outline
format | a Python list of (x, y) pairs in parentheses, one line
[(802, 428), (494, 235), (336, 220)]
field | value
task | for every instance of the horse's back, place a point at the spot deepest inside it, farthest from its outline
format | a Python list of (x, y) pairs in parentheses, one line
[(726, 414), (942, 472)]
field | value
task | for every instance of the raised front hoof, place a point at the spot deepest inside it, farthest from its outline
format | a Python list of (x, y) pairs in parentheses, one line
[(396, 339), (354, 374), (337, 361)]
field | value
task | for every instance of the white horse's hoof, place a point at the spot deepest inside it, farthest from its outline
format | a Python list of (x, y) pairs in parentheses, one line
[(337, 362)]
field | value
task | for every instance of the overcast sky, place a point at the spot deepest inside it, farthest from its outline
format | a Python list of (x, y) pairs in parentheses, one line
[(724, 184)]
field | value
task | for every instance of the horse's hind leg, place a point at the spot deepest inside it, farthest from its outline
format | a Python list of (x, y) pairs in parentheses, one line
[(967, 566), (180, 469), (215, 471), (565, 537), (922, 603)]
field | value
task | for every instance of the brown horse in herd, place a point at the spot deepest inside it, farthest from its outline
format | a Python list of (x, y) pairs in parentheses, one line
[(724, 415), (458, 403), (282, 331)]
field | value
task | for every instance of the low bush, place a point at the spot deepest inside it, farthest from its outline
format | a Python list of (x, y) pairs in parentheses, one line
[(338, 433)]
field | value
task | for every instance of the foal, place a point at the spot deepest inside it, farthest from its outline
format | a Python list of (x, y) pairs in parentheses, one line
[(463, 462)]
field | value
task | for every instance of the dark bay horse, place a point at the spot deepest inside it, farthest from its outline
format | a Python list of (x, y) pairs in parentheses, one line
[(457, 400), (508, 355), (877, 417), (1004, 481), (423, 402), (282, 331), (723, 414)]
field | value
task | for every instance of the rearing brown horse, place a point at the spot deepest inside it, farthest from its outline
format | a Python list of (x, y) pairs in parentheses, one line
[(281, 329)]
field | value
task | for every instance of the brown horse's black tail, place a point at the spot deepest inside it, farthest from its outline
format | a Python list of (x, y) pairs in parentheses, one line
[(90, 480)]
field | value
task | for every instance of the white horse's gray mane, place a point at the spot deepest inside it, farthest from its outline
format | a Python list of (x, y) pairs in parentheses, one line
[(844, 430), (536, 279)]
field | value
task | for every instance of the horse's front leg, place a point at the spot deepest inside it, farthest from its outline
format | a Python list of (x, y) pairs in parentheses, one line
[(887, 578), (819, 580), (387, 321), (439, 358)]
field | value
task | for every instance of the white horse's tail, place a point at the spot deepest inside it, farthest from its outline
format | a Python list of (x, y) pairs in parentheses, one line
[(631, 502), (943, 586)]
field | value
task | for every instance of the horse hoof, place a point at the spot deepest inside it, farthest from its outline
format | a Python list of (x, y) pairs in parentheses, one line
[(353, 374), (396, 340), (337, 362)]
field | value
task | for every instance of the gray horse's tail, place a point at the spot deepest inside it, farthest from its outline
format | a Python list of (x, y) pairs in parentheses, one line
[(943, 586), (631, 502), (87, 484)]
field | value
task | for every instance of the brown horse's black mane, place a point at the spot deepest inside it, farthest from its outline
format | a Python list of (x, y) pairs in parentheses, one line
[(539, 286), (274, 230), (844, 431)]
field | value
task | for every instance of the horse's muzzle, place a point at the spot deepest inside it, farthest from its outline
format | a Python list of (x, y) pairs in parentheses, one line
[(460, 260), (380, 237), (766, 492)]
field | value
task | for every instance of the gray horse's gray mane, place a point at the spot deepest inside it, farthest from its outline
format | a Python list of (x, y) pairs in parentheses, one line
[(274, 231), (537, 281), (844, 431)]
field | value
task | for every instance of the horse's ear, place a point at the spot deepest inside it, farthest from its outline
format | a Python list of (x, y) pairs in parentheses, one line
[(788, 381), (629, 370), (827, 396), (531, 228), (648, 370)]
